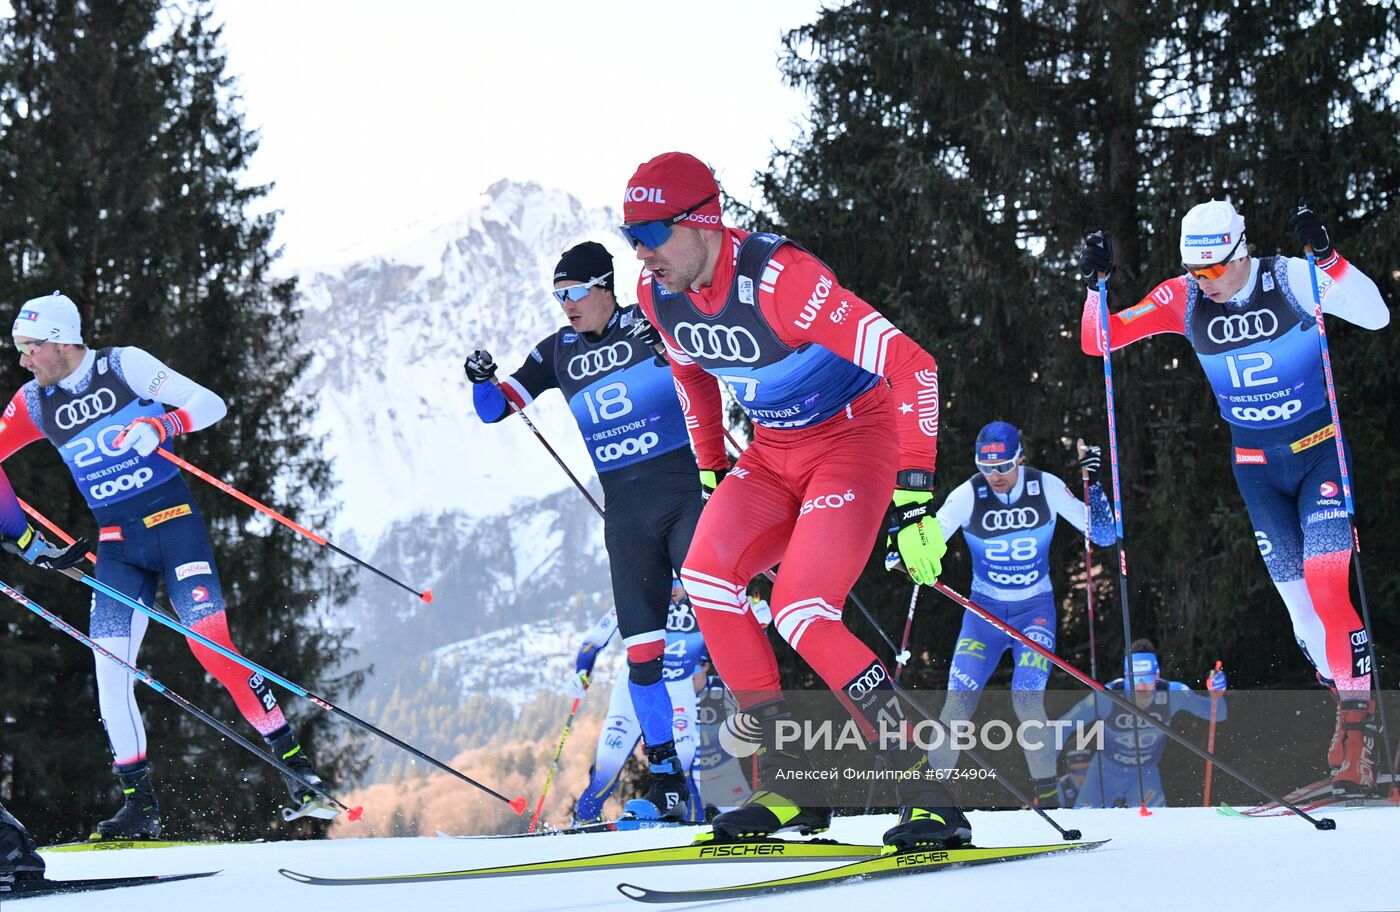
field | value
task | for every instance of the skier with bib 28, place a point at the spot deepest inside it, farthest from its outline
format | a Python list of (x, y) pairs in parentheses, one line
[(1007, 512), (845, 413), (1252, 324)]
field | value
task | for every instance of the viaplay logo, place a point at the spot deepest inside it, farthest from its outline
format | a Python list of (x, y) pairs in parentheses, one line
[(1328, 489), (740, 735)]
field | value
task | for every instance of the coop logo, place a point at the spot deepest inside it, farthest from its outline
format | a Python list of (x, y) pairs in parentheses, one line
[(826, 502), (740, 735), (85, 409), (600, 360), (717, 343), (1013, 579), (814, 304), (114, 486), (632, 446), (1259, 324), (645, 195), (1006, 520), (1269, 412)]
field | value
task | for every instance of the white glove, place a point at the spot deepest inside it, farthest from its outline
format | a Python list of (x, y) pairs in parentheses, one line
[(141, 437), (576, 685)]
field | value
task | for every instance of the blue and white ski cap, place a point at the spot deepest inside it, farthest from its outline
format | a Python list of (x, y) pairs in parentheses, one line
[(1143, 665), (52, 318), (1210, 232), (997, 442)]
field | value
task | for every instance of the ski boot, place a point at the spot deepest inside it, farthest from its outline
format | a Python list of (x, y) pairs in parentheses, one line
[(1356, 777), (19, 855), (767, 810), (929, 816), (1334, 748), (306, 802), (139, 817), (668, 798), (1046, 793)]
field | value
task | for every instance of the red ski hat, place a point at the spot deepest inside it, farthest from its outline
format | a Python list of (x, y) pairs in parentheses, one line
[(670, 184)]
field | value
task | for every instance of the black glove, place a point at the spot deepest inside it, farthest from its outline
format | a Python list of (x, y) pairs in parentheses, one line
[(37, 551), (1307, 225), (642, 330), (480, 367), (1089, 460), (1096, 258), (709, 480)]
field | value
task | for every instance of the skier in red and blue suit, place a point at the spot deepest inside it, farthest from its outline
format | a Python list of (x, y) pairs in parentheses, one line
[(102, 410), (1252, 324), (845, 410)]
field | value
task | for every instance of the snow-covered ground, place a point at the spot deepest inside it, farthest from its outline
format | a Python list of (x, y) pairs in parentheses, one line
[(1180, 858)]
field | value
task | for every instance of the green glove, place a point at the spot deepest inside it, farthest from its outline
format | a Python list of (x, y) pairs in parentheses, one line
[(709, 480), (915, 533)]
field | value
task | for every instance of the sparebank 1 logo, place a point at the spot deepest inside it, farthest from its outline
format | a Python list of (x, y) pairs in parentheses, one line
[(740, 735)]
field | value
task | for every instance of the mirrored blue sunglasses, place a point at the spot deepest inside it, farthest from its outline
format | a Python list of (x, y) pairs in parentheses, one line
[(657, 232), (579, 292)]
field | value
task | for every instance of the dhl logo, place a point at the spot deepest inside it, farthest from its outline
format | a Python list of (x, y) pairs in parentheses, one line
[(157, 518)]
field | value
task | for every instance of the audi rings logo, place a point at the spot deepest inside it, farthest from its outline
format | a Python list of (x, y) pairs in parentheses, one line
[(632, 446), (1269, 412), (1013, 579), (740, 735), (1006, 520), (82, 410), (114, 486), (717, 343), (1257, 324), (861, 687), (599, 361)]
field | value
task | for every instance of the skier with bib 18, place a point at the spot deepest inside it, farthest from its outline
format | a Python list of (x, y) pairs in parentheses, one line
[(624, 402), (1252, 324), (1007, 512), (102, 410), (845, 413)]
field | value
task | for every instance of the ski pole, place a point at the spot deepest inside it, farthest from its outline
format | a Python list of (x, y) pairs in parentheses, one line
[(1210, 742), (352, 813), (903, 656), (1325, 823), (516, 804), (545, 443), (426, 595), (44, 521), (1118, 524), (1089, 591), (1351, 511), (554, 764)]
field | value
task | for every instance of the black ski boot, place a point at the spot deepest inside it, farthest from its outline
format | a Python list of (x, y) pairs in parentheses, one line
[(668, 798), (286, 748), (19, 855), (139, 817), (768, 810), (929, 816)]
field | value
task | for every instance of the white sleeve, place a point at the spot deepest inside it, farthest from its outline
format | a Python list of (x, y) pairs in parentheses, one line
[(956, 510), (602, 632), (149, 378), (1062, 500), (1346, 291)]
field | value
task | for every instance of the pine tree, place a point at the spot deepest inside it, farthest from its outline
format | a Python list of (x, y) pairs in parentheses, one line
[(123, 156), (955, 157)]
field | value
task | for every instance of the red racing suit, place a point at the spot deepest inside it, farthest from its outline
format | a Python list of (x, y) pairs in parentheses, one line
[(841, 401)]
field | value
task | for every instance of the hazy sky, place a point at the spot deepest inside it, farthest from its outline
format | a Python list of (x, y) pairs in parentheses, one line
[(377, 115)]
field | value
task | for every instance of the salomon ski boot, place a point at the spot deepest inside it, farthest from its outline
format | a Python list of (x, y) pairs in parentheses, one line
[(668, 798), (767, 810), (139, 817), (1357, 776)]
